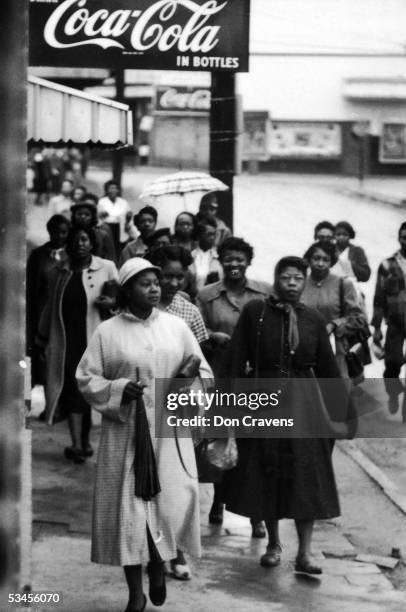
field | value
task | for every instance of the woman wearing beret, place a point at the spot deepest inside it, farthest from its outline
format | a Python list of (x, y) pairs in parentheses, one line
[(124, 357)]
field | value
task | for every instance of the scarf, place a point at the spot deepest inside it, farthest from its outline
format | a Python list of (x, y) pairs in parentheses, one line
[(290, 310)]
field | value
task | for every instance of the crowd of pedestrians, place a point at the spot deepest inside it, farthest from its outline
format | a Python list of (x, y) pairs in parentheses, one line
[(115, 302)]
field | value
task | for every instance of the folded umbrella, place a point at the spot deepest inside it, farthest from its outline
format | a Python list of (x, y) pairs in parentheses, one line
[(145, 469)]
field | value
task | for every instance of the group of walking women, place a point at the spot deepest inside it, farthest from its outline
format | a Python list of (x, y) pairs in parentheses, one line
[(107, 335)]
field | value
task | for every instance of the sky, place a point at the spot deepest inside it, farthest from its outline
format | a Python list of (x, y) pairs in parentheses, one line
[(328, 26)]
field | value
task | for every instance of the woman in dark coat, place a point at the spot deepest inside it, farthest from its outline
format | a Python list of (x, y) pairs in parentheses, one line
[(293, 478), (76, 305), (84, 214), (41, 262)]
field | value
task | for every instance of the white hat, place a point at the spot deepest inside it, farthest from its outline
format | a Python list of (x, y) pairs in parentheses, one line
[(134, 266)]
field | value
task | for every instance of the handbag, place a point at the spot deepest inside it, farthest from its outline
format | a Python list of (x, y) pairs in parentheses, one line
[(355, 365), (215, 456), (358, 353)]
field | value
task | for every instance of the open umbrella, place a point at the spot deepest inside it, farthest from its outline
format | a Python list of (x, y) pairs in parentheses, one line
[(181, 183)]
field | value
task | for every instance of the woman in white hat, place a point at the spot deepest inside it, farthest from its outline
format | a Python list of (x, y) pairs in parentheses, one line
[(124, 357)]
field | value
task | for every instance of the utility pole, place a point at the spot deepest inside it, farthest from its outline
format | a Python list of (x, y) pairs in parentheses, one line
[(360, 133), (13, 151), (118, 155), (223, 133), (361, 160)]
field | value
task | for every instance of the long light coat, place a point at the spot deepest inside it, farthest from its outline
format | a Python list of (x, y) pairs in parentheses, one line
[(51, 330), (157, 346)]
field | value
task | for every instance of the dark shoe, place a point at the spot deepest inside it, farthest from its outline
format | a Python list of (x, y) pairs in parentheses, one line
[(180, 571), (157, 586), (393, 404), (144, 605), (216, 514), (87, 451), (258, 530), (75, 454), (304, 565), (272, 557), (42, 416)]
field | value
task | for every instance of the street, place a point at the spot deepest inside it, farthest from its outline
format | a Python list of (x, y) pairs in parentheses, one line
[(228, 575), (276, 214)]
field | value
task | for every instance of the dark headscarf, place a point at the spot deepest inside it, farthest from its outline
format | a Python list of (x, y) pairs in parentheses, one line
[(288, 262)]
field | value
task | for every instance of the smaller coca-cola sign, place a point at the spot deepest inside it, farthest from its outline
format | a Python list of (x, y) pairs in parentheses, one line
[(182, 100), (151, 34)]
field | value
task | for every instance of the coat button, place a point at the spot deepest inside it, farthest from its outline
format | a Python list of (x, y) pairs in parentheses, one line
[(91, 286), (158, 537)]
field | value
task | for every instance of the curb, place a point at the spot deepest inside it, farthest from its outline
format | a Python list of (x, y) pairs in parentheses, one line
[(389, 488), (374, 197)]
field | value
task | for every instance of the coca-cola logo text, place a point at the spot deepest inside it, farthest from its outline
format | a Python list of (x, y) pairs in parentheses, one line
[(178, 100), (146, 29)]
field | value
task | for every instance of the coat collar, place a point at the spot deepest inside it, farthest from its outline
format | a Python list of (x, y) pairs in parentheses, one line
[(218, 288), (275, 301), (324, 281), (126, 314), (95, 264), (212, 252)]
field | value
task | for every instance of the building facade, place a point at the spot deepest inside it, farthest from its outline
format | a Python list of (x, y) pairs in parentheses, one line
[(325, 92)]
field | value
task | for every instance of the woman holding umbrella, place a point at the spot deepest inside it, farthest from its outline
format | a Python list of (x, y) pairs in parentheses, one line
[(184, 231), (119, 366)]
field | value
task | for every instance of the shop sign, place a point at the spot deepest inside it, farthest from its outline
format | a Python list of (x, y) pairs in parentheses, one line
[(305, 140), (147, 34), (392, 146), (182, 100)]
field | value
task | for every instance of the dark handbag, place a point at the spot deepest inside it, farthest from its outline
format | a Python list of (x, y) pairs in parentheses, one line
[(215, 456), (355, 366), (358, 353)]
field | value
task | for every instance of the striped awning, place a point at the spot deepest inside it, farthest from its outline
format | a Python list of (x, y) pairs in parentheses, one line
[(62, 115)]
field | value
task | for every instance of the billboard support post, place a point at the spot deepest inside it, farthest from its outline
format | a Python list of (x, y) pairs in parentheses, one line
[(223, 122), (118, 155)]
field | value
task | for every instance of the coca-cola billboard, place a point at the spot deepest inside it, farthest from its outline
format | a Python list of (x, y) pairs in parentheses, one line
[(155, 34), (182, 100)]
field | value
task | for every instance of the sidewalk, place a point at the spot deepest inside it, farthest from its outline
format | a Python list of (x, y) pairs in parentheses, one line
[(227, 577), (385, 190)]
